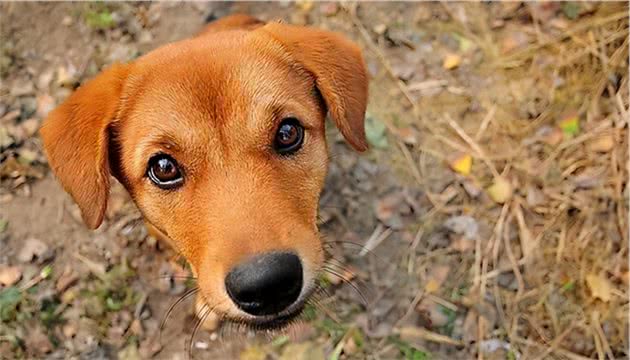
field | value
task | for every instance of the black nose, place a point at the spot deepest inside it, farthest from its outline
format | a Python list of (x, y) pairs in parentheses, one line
[(265, 284)]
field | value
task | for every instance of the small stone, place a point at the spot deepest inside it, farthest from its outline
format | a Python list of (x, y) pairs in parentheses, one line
[(66, 21), (329, 8), (30, 126), (10, 275), (463, 225), (45, 104), (408, 135), (136, 327), (44, 80), (66, 77), (380, 29), (145, 37), (32, 248), (69, 329)]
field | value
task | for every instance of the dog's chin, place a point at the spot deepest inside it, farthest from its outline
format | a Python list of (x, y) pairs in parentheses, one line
[(273, 322)]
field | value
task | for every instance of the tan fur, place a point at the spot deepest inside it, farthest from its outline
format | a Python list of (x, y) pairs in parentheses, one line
[(213, 102)]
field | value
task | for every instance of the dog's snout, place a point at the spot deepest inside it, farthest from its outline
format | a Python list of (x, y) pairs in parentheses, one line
[(266, 284)]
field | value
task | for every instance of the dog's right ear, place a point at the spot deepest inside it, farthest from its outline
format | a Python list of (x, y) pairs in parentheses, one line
[(75, 137)]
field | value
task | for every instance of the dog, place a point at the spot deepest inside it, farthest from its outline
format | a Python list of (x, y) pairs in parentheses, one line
[(220, 141)]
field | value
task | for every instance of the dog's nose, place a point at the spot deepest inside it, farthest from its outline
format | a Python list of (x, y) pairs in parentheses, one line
[(265, 284)]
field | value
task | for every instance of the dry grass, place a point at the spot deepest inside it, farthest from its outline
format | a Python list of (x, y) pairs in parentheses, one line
[(567, 219)]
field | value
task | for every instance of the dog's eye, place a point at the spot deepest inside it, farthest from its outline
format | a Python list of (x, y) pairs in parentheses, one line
[(289, 136), (164, 172)]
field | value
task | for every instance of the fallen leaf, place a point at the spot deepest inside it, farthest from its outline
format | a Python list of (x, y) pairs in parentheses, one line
[(514, 40), (436, 278), (432, 313), (305, 5), (451, 61), (501, 190), (462, 164), (600, 287), (603, 143), (9, 275), (130, 352), (32, 248), (303, 351), (408, 135), (570, 124), (253, 352)]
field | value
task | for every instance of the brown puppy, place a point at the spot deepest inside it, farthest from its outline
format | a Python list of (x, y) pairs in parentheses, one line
[(219, 139)]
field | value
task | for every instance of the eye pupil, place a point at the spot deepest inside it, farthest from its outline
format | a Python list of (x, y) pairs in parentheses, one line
[(289, 136), (165, 169), (164, 172)]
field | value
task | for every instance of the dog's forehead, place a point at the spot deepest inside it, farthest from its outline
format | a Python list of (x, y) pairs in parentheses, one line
[(216, 76), (206, 94)]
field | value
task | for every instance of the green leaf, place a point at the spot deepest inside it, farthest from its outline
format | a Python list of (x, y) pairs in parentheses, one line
[(571, 9), (279, 341), (409, 352), (3, 225), (375, 132), (570, 125), (10, 299), (568, 286), (99, 20), (46, 272), (510, 355), (112, 304)]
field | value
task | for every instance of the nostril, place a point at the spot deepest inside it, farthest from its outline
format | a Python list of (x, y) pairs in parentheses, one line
[(266, 284)]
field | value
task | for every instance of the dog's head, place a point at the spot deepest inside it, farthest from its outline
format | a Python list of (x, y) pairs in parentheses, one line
[(220, 140)]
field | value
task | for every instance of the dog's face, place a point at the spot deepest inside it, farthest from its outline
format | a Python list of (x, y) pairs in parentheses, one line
[(220, 140)]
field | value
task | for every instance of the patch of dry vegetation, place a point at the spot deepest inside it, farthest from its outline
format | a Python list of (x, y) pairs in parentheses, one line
[(549, 174)]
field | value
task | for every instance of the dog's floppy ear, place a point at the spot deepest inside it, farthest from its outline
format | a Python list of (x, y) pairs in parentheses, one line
[(75, 137), (339, 71)]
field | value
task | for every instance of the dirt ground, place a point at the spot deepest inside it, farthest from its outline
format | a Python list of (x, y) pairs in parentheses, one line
[(489, 220)]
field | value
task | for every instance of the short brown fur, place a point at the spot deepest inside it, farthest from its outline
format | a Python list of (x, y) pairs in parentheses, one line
[(213, 102)]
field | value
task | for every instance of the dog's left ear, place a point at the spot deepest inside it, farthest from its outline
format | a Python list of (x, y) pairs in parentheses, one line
[(339, 71)]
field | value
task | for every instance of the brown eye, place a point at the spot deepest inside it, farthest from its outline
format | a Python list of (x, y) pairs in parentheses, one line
[(164, 172), (289, 136)]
